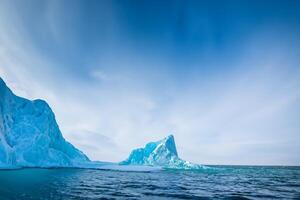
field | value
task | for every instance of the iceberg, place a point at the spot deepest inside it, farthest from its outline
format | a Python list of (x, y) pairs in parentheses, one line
[(162, 153), (30, 136)]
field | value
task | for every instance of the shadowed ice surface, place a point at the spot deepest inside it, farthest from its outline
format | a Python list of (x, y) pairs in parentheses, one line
[(216, 182)]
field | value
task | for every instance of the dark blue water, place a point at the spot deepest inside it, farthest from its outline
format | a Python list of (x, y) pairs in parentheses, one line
[(225, 182)]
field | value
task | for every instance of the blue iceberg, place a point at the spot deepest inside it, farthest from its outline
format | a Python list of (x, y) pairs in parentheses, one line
[(162, 153), (30, 136)]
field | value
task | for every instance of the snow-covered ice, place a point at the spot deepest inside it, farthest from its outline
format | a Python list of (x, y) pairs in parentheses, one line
[(30, 136), (162, 153)]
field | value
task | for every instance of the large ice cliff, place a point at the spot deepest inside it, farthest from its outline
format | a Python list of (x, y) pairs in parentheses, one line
[(30, 136)]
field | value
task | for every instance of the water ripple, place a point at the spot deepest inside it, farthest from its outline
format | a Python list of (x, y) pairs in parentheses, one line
[(221, 182)]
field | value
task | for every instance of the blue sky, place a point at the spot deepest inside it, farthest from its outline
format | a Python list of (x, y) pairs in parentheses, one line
[(222, 76)]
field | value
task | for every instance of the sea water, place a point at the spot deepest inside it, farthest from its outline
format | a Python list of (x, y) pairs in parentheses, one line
[(224, 182)]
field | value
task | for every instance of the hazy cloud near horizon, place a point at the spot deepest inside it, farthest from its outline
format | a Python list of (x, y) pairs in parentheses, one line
[(223, 78)]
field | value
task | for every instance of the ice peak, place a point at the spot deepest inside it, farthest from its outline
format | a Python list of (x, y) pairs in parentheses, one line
[(169, 137), (169, 142), (162, 153)]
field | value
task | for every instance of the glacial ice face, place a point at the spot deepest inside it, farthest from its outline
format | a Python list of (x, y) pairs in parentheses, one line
[(161, 153), (30, 136)]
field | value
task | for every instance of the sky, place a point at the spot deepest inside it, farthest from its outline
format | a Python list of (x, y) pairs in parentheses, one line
[(222, 76)]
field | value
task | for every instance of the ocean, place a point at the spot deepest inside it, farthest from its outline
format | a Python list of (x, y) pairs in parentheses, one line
[(216, 182)]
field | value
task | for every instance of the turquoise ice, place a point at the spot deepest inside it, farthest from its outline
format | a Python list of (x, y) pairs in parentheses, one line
[(30, 136), (161, 153)]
